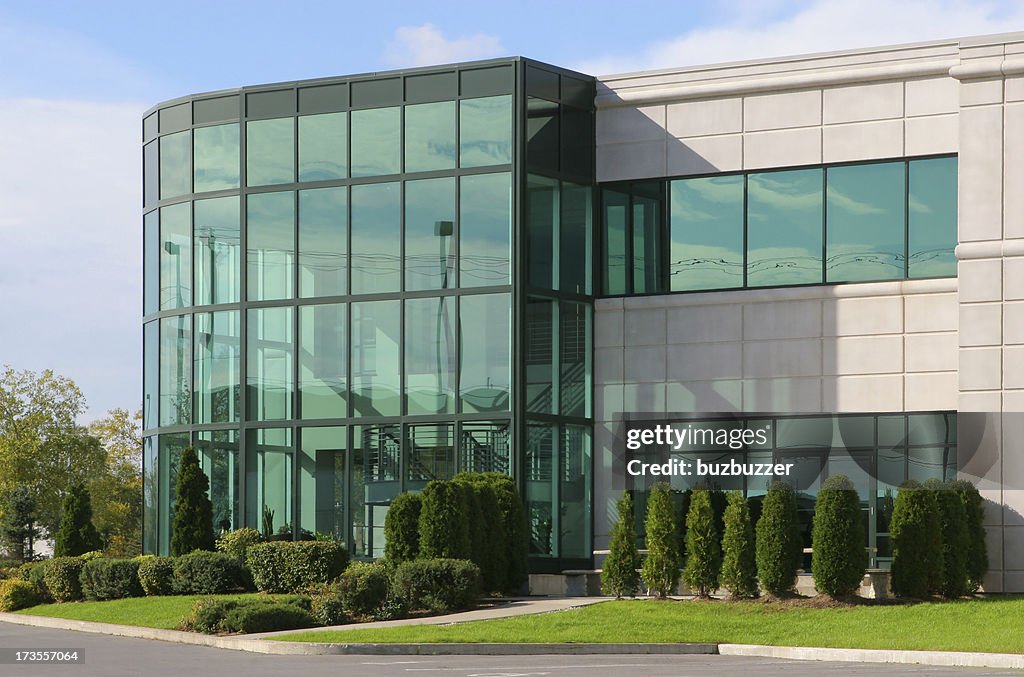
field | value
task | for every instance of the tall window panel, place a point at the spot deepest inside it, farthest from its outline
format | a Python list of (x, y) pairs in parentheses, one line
[(168, 463), (486, 352), (430, 234), (864, 223), (575, 248), (485, 447), (219, 460), (323, 147), (217, 367), (575, 492), (542, 214), (574, 359), (430, 355), (430, 136), (270, 152), (431, 454), (151, 262), (485, 230), (175, 165), (376, 145), (269, 360), (269, 465), (323, 463), (150, 373), (217, 251), (323, 361), (485, 131), (323, 242), (376, 354), (542, 120), (542, 488), (784, 228), (175, 405), (706, 251), (270, 229), (541, 355), (215, 153), (376, 238), (175, 256), (646, 244), (616, 220), (150, 173), (150, 498), (375, 480), (932, 217)]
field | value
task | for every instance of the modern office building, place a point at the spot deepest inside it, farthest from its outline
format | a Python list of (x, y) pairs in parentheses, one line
[(355, 285)]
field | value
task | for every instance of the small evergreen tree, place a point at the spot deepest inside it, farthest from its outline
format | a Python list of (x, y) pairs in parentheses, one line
[(778, 540), (839, 557), (661, 566), (444, 527), (916, 532), (18, 530), (402, 529), (509, 538), (703, 545), (977, 551), (955, 538), (619, 575), (77, 534), (192, 528), (739, 568)]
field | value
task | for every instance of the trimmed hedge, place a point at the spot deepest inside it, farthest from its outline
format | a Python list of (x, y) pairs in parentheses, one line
[(444, 521), (402, 529), (363, 587), (295, 566), (778, 545), (212, 616), (62, 577), (208, 573), (955, 539), (916, 530), (838, 538), (237, 543), (437, 585), (513, 518), (18, 594), (156, 575), (104, 579)]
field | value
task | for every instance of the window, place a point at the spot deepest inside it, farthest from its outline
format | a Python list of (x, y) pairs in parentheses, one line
[(175, 405), (429, 234), (323, 147), (376, 148), (323, 361), (376, 355), (270, 151), (376, 238), (486, 354), (217, 367), (430, 355), (269, 364), (485, 230), (215, 154), (430, 136), (175, 256), (217, 251), (271, 246), (932, 217), (864, 222), (485, 131), (784, 228), (323, 242), (706, 250), (175, 165)]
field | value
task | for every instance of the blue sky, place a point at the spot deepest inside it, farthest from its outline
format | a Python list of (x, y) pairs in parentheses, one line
[(76, 76)]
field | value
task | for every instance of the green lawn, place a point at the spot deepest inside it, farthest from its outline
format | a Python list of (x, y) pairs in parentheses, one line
[(988, 625), (147, 612)]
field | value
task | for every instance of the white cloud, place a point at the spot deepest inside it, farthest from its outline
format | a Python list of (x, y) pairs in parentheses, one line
[(817, 26), (70, 241), (426, 46)]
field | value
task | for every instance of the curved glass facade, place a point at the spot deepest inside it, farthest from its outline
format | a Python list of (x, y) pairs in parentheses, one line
[(339, 285)]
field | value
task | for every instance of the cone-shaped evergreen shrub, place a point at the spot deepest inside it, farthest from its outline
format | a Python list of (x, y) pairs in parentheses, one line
[(955, 538), (489, 530), (661, 566), (192, 528), (619, 575), (509, 537), (778, 540), (916, 532), (703, 545), (977, 552), (402, 529), (444, 523), (838, 538), (739, 569), (77, 534)]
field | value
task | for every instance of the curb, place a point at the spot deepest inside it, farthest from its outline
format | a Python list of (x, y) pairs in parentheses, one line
[(961, 659)]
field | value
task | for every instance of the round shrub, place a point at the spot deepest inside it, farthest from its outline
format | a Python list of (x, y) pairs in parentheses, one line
[(34, 573), (619, 574), (104, 579), (363, 587), (778, 540), (739, 568), (326, 608), (62, 577), (838, 538), (437, 585), (156, 575), (402, 529), (208, 573), (444, 523), (237, 543), (703, 545), (266, 616), (660, 569), (916, 531), (295, 566), (18, 594)]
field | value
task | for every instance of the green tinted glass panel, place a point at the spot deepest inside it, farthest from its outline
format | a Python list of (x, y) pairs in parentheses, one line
[(542, 488), (486, 352), (151, 262), (485, 447), (430, 136), (175, 404), (616, 220), (219, 459), (707, 233), (865, 214), (150, 482), (268, 481), (168, 462), (216, 157), (784, 228), (376, 148), (575, 249), (322, 479), (430, 355), (269, 359), (485, 131), (217, 251), (574, 341), (376, 356), (150, 173), (575, 492), (539, 349), (270, 228), (933, 219), (175, 165), (376, 238), (429, 234), (323, 147), (323, 242), (150, 373), (270, 151), (431, 455), (646, 245), (542, 212), (485, 230), (217, 367), (542, 134), (323, 360), (175, 256), (376, 458)]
